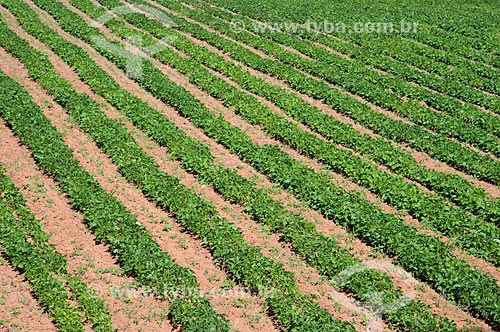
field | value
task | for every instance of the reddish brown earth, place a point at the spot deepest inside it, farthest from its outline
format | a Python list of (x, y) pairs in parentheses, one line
[(186, 84), (92, 262)]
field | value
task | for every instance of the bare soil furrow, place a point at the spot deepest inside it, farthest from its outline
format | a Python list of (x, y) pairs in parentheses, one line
[(19, 309)]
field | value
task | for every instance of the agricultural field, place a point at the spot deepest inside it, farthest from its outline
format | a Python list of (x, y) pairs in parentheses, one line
[(237, 165)]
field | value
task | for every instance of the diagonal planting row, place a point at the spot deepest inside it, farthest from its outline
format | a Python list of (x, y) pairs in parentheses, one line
[(426, 257), (438, 146), (218, 19), (443, 102), (481, 238), (321, 252), (353, 78), (246, 264), (25, 245), (134, 248), (50, 292)]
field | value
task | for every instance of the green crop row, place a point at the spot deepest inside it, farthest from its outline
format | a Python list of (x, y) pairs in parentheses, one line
[(320, 252), (480, 238), (50, 292), (137, 253), (436, 145), (245, 263), (425, 256), (443, 102), (25, 245)]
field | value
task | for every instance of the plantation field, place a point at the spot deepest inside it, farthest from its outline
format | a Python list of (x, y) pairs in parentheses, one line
[(237, 165)]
